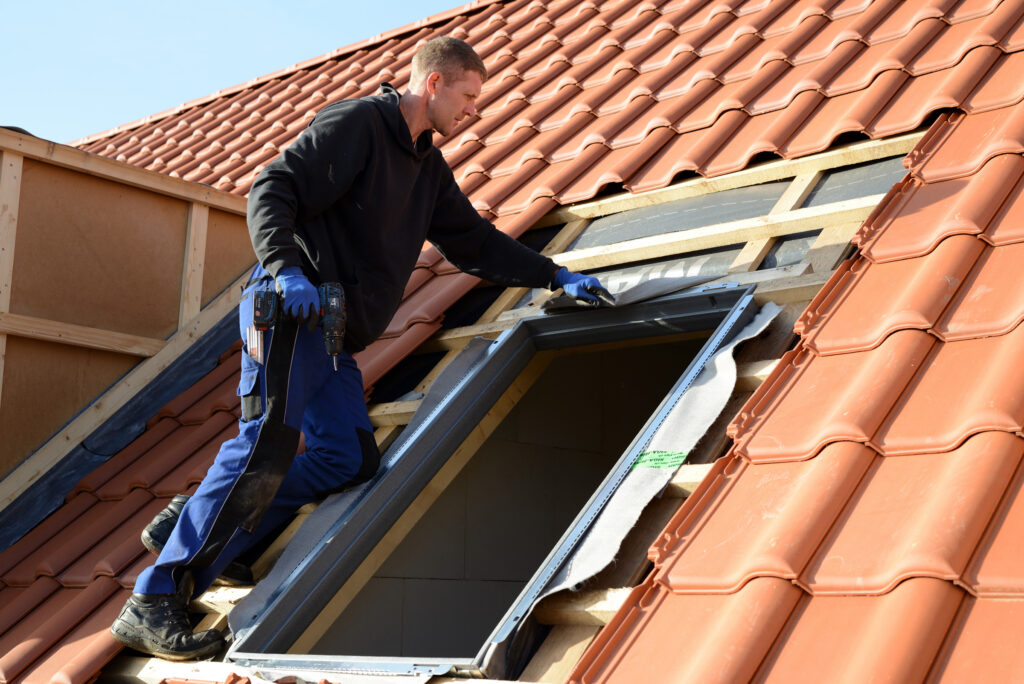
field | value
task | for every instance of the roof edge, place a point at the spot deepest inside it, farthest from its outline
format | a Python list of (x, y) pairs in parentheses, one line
[(471, 6)]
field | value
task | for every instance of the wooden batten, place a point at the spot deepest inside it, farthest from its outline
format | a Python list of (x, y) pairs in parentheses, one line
[(103, 167), (10, 192), (77, 233), (94, 415), (195, 259), (721, 235), (846, 155), (78, 335)]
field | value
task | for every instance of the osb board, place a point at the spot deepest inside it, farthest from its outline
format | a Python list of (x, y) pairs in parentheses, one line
[(44, 385), (228, 253), (97, 253)]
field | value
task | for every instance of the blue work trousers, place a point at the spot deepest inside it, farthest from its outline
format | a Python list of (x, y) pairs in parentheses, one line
[(256, 480)]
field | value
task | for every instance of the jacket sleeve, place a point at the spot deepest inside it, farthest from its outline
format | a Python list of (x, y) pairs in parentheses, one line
[(307, 177), (475, 246)]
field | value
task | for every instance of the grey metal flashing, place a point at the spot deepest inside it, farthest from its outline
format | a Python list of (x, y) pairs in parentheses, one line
[(421, 452)]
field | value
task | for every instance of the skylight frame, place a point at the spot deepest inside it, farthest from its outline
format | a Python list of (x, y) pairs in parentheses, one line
[(426, 447)]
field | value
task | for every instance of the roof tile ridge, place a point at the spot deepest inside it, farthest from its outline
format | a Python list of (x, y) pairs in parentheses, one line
[(973, 211), (471, 6), (936, 280), (1006, 138), (681, 526), (61, 623)]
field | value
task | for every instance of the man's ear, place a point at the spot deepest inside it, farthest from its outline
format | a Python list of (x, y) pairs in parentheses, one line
[(432, 81)]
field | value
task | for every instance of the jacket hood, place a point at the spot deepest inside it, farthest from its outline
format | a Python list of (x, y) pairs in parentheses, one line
[(387, 102)]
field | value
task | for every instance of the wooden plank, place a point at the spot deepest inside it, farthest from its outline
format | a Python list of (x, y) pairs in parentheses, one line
[(10, 193), (219, 600), (212, 621), (797, 191), (752, 254), (749, 376), (771, 171), (79, 335), (828, 248), (195, 259), (457, 338), (393, 412), (104, 167), (593, 608), (386, 436), (142, 670), (720, 235), (558, 654), (394, 536), (686, 479), (788, 290), (48, 455)]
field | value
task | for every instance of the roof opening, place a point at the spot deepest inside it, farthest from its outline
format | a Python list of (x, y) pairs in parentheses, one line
[(445, 587)]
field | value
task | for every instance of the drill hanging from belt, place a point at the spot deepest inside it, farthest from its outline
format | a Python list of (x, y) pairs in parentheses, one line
[(266, 311)]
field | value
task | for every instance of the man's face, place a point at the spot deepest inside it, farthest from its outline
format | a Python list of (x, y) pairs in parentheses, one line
[(451, 101)]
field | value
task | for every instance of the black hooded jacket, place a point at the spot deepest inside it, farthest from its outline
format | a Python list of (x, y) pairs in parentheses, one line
[(353, 200)]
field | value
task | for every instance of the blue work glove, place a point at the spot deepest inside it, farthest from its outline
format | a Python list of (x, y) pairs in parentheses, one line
[(585, 289), (301, 300)]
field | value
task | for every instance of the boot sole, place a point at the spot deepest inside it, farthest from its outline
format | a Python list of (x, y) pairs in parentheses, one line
[(144, 645)]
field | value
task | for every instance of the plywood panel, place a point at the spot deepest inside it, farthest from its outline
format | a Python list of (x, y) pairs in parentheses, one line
[(228, 252), (97, 253), (45, 384)]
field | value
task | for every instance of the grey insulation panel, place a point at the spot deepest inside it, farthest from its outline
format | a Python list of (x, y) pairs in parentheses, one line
[(684, 214), (862, 180)]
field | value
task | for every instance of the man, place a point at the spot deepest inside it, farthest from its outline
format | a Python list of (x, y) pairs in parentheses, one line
[(351, 200)]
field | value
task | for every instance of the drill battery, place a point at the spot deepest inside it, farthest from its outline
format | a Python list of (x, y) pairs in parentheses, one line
[(266, 305), (266, 311)]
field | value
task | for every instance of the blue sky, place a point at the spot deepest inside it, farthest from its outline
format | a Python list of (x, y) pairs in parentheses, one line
[(72, 68)]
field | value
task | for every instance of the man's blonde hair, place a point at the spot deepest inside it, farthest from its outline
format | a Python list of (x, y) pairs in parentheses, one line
[(448, 56)]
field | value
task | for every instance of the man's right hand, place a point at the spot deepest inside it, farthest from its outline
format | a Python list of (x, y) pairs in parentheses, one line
[(301, 300)]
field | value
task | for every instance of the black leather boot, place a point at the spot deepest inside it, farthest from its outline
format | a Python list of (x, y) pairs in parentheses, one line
[(158, 624), (158, 531)]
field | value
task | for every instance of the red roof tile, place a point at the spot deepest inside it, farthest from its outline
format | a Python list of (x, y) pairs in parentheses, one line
[(892, 638), (586, 95), (866, 385), (908, 564)]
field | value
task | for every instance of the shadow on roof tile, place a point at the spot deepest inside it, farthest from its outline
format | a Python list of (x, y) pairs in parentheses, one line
[(991, 301), (77, 539), (45, 629), (655, 618), (915, 217), (982, 641), (997, 568), (864, 303), (915, 516), (890, 638), (718, 549), (962, 388), (862, 387), (168, 454)]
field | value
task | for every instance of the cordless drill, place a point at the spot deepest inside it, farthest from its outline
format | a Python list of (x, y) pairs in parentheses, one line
[(267, 310), (332, 318)]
